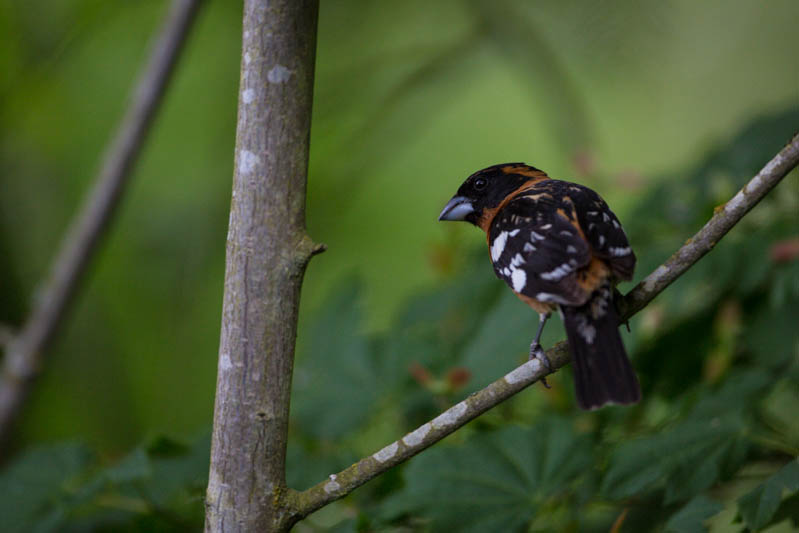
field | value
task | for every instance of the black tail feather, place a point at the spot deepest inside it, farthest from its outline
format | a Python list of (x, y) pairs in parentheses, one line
[(602, 372)]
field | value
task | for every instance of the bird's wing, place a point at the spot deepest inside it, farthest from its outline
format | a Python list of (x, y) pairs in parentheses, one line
[(603, 231), (538, 248)]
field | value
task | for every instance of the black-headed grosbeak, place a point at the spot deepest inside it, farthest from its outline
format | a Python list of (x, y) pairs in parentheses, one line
[(558, 246)]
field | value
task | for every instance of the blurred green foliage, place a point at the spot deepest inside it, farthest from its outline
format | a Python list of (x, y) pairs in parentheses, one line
[(712, 445), (666, 108)]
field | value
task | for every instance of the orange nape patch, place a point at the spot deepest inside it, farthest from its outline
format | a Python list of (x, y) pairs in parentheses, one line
[(487, 217), (592, 276), (524, 170), (539, 307)]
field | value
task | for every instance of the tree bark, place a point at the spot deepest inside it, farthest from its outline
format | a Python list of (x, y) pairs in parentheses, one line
[(267, 252)]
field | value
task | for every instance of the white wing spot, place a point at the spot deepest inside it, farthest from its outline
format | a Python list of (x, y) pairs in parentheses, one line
[(546, 226), (587, 331), (517, 260), (529, 247), (571, 249), (558, 273), (616, 224), (537, 236), (619, 251), (549, 297), (601, 241), (592, 213), (498, 246), (605, 217), (514, 233), (519, 279)]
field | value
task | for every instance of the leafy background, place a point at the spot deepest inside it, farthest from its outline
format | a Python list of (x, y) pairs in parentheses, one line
[(665, 108)]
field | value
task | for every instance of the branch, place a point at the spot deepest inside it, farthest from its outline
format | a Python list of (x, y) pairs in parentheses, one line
[(6, 335), (267, 252), (24, 355), (725, 217)]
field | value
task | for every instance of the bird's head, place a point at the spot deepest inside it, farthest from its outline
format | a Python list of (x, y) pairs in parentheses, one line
[(483, 193)]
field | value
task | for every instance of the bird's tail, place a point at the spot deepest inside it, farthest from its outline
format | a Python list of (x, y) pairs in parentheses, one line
[(602, 372)]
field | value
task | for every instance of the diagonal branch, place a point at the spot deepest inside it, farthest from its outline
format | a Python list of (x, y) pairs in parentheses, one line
[(6, 335), (725, 217), (24, 353)]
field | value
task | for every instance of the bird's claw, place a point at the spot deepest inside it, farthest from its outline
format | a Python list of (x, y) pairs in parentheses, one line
[(536, 352)]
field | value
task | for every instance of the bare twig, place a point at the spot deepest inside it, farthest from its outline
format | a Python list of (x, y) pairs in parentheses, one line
[(24, 355), (725, 217), (616, 527), (6, 335)]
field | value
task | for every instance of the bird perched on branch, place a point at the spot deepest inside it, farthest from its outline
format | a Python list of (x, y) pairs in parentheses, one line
[(558, 246)]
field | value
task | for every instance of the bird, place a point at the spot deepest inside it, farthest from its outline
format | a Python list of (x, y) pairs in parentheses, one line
[(558, 246)]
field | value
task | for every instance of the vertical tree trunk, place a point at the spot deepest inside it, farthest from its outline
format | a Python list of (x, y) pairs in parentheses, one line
[(267, 252)]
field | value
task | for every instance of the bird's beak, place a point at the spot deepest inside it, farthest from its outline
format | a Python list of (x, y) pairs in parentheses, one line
[(456, 209)]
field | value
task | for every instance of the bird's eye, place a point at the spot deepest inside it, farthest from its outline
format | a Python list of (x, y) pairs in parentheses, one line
[(480, 184)]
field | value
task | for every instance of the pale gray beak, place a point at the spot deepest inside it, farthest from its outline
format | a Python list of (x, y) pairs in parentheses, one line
[(456, 209)]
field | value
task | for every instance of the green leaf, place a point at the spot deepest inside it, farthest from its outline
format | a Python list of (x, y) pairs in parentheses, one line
[(772, 334), (758, 506), (438, 325), (502, 340), (690, 519), (178, 479), (694, 476), (685, 459), (738, 393), (788, 511), (780, 407), (135, 466), (37, 487), (163, 446), (306, 464), (498, 481), (162, 474), (336, 384)]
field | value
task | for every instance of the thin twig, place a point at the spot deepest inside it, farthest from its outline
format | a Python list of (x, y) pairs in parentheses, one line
[(24, 355), (616, 527), (6, 335), (726, 216)]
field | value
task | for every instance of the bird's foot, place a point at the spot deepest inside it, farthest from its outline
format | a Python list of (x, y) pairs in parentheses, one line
[(536, 352)]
